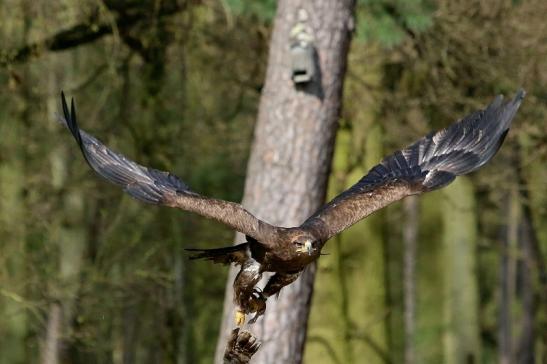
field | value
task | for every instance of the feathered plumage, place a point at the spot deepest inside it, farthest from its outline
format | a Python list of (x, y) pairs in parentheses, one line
[(430, 163)]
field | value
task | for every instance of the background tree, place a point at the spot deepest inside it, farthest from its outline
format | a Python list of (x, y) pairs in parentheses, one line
[(291, 156)]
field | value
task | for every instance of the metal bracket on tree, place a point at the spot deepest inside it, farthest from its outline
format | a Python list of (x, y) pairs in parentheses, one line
[(302, 50)]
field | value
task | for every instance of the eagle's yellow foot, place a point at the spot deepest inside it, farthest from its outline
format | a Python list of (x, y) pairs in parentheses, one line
[(239, 318)]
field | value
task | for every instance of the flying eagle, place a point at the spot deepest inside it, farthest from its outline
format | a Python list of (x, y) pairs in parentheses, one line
[(432, 162)]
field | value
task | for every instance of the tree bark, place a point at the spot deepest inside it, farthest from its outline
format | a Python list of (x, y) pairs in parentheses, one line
[(508, 280), (461, 328), (525, 350), (50, 350), (410, 234), (290, 160), (532, 270)]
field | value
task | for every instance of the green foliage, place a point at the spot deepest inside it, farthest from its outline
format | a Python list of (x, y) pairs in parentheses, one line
[(389, 22), (262, 9), (424, 83)]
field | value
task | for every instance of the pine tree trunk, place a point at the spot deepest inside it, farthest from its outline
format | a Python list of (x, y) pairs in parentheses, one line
[(461, 335), (532, 266), (290, 160), (410, 235), (508, 280), (525, 350), (49, 353), (50, 349)]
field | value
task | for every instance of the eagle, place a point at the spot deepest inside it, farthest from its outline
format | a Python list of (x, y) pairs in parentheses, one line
[(430, 163)]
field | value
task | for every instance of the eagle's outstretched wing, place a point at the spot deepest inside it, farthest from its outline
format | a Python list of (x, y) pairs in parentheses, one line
[(158, 187), (431, 163)]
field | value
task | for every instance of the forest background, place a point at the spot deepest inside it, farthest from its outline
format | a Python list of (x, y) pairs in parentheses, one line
[(175, 84)]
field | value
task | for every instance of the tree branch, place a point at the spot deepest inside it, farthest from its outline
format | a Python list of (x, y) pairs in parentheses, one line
[(90, 31)]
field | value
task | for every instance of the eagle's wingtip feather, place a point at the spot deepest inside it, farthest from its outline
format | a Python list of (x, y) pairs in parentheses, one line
[(69, 120)]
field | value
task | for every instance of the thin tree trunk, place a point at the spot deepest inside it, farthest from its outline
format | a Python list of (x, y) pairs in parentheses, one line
[(181, 333), (525, 350), (508, 280), (50, 348), (461, 335), (290, 160), (410, 233), (49, 353), (532, 266)]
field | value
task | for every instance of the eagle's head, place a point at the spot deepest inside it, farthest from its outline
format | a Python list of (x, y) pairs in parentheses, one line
[(305, 243)]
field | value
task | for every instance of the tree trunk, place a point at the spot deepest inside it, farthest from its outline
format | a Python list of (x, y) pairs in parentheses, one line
[(51, 345), (508, 280), (291, 157), (50, 349), (532, 268), (461, 328), (525, 349), (410, 234)]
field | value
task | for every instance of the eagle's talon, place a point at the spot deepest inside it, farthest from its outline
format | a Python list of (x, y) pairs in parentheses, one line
[(256, 316), (257, 302), (239, 318), (258, 295)]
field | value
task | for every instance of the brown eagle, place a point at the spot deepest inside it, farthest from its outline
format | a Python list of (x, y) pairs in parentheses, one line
[(432, 162)]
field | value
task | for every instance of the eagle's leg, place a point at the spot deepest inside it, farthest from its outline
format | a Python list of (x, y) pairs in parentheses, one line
[(244, 290), (274, 285)]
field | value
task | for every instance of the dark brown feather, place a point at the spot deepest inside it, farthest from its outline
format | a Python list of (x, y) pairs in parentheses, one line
[(236, 254)]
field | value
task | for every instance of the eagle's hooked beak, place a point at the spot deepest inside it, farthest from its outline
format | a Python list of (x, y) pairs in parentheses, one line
[(307, 248)]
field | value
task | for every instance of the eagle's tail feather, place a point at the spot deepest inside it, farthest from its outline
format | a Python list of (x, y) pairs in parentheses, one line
[(236, 254)]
